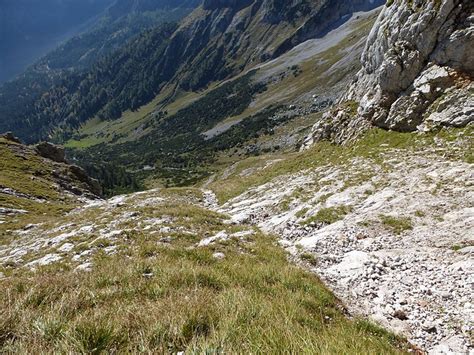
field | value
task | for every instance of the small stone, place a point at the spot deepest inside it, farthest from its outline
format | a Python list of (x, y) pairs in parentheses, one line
[(446, 295), (29, 226), (429, 328), (84, 267), (218, 256)]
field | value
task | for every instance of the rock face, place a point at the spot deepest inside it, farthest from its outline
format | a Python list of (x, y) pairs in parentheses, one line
[(71, 173), (417, 71)]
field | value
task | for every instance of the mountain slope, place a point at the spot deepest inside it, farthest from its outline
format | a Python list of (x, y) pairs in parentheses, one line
[(177, 142), (216, 42), (386, 221), (160, 272), (28, 29), (37, 182), (120, 23), (282, 95)]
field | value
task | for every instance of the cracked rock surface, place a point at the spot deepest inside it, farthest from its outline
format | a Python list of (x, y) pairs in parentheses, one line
[(417, 70)]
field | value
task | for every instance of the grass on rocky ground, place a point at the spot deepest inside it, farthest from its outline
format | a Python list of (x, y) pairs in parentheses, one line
[(31, 178), (165, 297), (328, 215), (455, 144), (397, 224)]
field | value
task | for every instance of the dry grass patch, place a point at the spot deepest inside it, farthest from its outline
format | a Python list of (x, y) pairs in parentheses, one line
[(157, 298)]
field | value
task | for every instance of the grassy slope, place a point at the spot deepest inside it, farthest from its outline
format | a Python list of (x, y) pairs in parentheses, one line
[(28, 174), (373, 145), (169, 297), (166, 297)]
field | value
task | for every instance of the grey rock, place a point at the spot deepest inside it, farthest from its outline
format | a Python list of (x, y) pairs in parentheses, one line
[(218, 256), (9, 136), (417, 70)]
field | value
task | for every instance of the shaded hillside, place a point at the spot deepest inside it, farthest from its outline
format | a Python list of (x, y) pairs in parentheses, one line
[(120, 23), (29, 28)]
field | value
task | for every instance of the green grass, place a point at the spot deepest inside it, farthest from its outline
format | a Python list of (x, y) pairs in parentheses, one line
[(26, 173), (397, 224), (309, 258), (420, 214), (328, 215), (157, 298)]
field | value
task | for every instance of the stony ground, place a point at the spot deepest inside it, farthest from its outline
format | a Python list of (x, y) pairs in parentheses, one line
[(392, 235), (156, 272), (98, 227), (394, 241)]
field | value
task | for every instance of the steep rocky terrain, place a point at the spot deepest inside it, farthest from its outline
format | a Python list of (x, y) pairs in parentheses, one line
[(417, 71), (159, 272), (379, 205), (386, 222)]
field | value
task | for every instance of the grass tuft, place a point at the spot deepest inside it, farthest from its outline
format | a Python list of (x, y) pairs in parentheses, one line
[(397, 224)]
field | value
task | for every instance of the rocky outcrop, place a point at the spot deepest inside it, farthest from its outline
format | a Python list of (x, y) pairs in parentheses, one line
[(51, 151), (71, 173), (43, 163), (9, 136), (417, 71)]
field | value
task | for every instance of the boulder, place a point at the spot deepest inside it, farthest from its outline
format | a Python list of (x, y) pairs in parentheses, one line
[(51, 151)]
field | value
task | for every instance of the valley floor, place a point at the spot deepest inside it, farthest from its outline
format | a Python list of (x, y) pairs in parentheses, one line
[(387, 223)]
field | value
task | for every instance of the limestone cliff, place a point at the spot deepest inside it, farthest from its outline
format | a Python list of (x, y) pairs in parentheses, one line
[(417, 71)]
